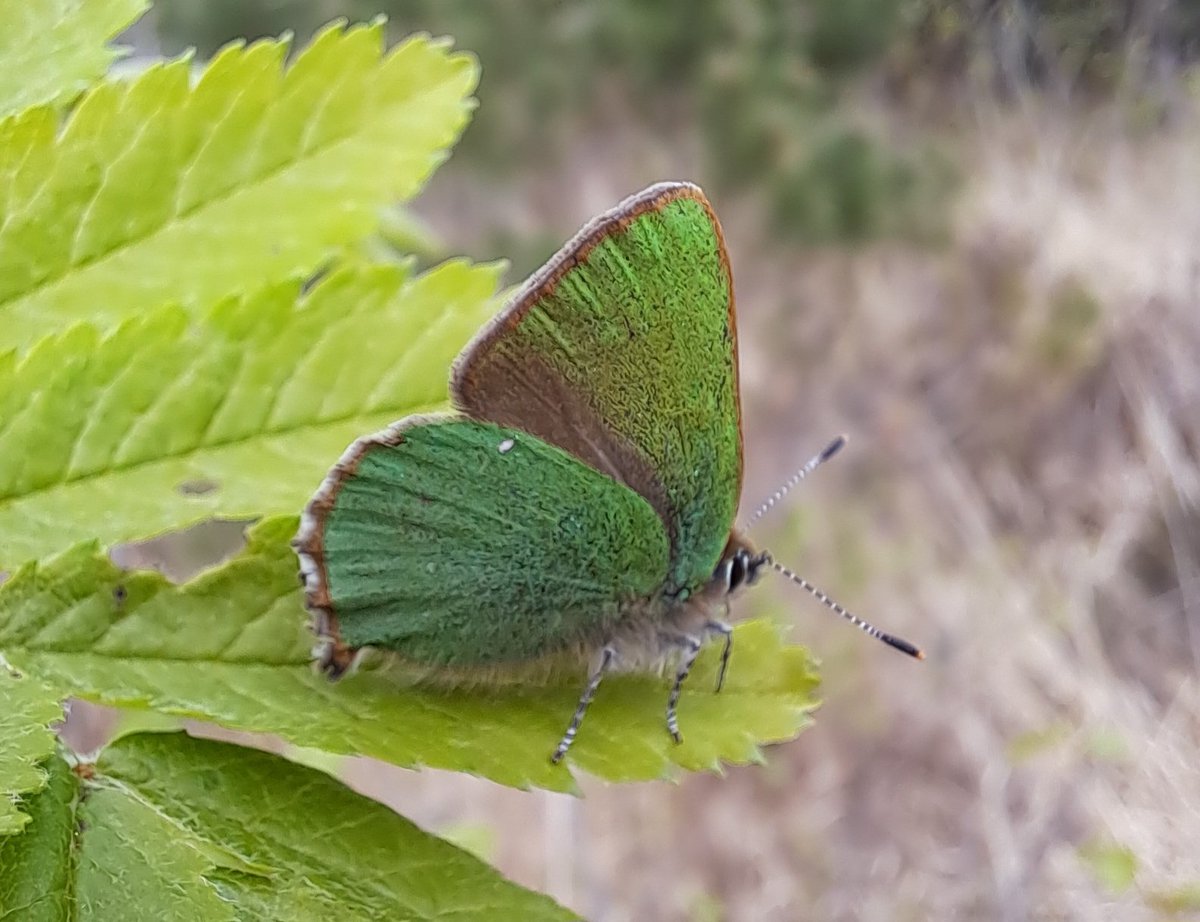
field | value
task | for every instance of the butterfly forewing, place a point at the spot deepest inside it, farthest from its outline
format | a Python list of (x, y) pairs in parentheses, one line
[(622, 351)]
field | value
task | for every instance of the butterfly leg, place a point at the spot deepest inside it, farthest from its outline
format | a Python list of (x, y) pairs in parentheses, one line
[(606, 658), (691, 649), (720, 627)]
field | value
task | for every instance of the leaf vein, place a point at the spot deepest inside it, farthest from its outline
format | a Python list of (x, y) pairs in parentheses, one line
[(174, 221), (233, 442)]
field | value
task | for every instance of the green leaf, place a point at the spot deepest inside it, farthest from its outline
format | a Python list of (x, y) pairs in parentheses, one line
[(164, 868), (1033, 743), (232, 647), (1113, 865), (165, 423), (27, 708), (158, 191), (36, 865), (195, 829), (51, 50), (401, 231), (1176, 901)]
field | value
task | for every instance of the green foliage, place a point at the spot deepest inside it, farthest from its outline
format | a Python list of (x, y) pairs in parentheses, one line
[(1117, 869), (761, 82), (194, 829), (846, 188), (158, 191), (231, 646), (845, 36), (1176, 901), (36, 865), (1097, 48), (203, 299), (1034, 743), (1113, 865), (1072, 335), (29, 709), (236, 415), (51, 50)]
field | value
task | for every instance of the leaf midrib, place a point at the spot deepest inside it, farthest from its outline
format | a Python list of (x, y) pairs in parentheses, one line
[(260, 435)]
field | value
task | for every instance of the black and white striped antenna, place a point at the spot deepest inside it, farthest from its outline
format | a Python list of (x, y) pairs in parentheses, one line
[(811, 465), (891, 640)]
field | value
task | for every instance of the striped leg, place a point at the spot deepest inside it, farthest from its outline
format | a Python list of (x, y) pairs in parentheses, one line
[(606, 658), (720, 627), (691, 649)]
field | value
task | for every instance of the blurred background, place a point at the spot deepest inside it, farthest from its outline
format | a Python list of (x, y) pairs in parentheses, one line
[(966, 233)]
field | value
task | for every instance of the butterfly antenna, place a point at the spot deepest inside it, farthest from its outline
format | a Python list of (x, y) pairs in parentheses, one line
[(899, 643), (811, 465)]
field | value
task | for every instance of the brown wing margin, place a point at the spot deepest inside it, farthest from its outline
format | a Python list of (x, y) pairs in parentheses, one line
[(540, 402)]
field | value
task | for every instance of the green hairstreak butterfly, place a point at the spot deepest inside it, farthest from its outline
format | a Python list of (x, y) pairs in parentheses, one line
[(581, 498)]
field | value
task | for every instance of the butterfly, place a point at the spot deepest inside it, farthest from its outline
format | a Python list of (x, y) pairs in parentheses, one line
[(579, 502)]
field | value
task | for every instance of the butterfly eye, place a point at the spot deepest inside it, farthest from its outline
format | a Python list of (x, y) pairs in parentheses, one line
[(753, 565), (745, 568), (735, 573)]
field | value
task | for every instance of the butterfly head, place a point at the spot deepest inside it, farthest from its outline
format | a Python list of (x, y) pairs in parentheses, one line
[(741, 565)]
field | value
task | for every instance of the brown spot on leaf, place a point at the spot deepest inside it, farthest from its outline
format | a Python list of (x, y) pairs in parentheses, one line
[(197, 487)]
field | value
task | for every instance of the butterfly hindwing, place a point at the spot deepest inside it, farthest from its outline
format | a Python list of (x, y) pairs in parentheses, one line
[(458, 542), (622, 350)]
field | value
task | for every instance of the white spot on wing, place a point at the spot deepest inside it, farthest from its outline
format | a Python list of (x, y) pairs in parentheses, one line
[(506, 446)]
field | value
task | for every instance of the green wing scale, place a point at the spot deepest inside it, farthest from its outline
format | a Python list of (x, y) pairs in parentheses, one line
[(622, 350), (442, 538), (592, 475)]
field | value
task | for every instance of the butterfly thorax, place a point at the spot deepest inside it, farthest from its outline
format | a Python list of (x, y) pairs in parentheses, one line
[(649, 628), (739, 565)]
